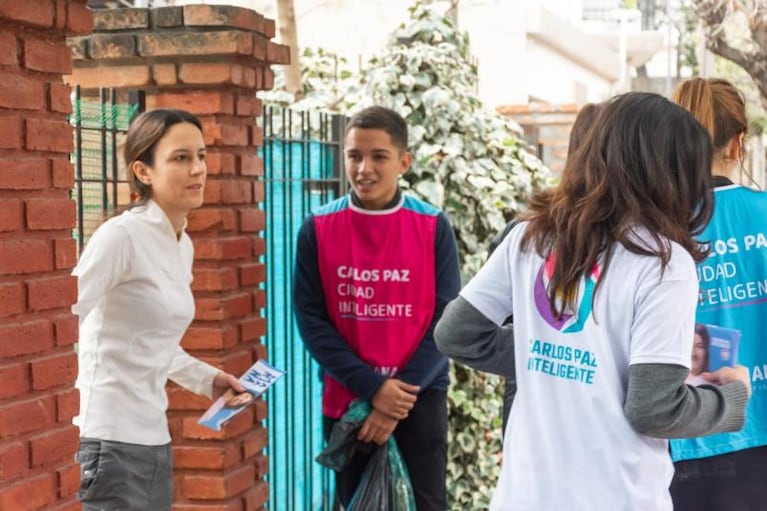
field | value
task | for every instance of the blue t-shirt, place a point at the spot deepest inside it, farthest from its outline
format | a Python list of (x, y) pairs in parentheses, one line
[(733, 295)]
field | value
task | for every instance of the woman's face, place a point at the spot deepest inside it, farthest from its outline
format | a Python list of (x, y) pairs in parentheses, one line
[(698, 355), (178, 174), (239, 400)]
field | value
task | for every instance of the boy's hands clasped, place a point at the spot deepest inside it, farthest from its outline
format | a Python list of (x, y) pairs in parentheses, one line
[(377, 428), (395, 398), (390, 404)]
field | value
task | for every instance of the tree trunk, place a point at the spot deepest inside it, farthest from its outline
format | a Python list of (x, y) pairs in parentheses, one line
[(452, 12), (286, 24), (714, 15), (755, 64)]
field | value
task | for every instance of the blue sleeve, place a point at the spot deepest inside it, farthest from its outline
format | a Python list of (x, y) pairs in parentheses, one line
[(427, 362), (320, 337)]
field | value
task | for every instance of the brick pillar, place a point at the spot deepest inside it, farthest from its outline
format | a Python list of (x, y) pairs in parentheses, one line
[(209, 60), (545, 125), (37, 363)]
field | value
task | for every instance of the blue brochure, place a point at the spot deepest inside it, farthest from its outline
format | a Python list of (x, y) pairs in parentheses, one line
[(256, 381), (723, 350)]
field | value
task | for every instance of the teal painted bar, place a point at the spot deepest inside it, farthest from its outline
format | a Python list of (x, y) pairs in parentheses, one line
[(299, 177)]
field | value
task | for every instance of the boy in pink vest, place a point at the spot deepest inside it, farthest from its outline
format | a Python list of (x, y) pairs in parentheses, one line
[(374, 270)]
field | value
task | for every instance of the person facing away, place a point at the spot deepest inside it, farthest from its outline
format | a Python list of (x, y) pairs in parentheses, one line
[(374, 270), (727, 471), (493, 364), (134, 304), (600, 278)]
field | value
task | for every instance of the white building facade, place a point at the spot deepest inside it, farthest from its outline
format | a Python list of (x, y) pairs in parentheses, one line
[(554, 51)]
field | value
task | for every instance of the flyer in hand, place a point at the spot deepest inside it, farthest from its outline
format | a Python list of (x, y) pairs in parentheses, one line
[(723, 351), (714, 347), (256, 381)]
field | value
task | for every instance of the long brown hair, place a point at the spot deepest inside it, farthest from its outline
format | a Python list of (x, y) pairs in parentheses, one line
[(644, 165), (583, 122), (145, 131)]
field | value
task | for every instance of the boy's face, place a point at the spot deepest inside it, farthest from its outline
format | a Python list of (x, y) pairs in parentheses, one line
[(374, 165)]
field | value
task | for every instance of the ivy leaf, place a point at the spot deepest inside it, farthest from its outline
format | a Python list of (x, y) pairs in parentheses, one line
[(453, 145), (431, 191), (467, 442), (435, 97)]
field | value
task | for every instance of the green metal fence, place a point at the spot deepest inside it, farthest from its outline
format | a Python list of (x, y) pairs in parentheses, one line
[(99, 127), (303, 169)]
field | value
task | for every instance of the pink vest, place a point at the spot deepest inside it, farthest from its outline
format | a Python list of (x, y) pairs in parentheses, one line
[(378, 276)]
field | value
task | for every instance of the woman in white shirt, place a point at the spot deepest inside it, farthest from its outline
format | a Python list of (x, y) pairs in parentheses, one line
[(600, 278), (134, 304)]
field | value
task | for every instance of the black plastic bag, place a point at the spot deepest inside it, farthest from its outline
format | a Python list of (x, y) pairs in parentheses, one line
[(385, 483)]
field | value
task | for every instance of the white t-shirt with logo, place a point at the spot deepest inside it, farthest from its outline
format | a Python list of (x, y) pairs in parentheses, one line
[(568, 445)]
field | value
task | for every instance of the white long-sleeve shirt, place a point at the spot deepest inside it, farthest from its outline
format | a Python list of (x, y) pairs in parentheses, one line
[(134, 304)]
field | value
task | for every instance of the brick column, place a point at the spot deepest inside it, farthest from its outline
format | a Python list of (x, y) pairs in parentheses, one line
[(37, 363), (209, 60), (547, 128)]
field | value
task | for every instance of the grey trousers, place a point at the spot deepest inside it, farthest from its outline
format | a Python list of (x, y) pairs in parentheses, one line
[(116, 476)]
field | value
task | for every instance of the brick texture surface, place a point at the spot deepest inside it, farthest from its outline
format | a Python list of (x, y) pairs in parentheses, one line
[(10, 131), (8, 52), (47, 56), (35, 14), (38, 364), (21, 92)]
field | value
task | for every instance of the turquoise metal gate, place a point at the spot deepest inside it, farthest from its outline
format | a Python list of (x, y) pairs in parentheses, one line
[(303, 168)]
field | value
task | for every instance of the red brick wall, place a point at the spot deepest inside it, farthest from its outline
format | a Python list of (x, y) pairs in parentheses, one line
[(209, 60), (37, 363)]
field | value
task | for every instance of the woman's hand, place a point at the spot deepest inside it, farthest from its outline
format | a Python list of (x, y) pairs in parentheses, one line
[(225, 381), (726, 375)]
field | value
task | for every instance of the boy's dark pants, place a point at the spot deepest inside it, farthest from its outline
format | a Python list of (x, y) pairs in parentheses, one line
[(728, 482), (422, 440)]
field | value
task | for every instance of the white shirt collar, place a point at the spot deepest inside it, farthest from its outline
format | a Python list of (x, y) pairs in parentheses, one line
[(152, 213)]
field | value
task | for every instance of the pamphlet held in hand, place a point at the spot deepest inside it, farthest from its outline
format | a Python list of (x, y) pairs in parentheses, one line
[(714, 347), (256, 381), (724, 347)]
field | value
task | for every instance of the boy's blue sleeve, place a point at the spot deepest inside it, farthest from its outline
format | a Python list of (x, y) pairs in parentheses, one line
[(319, 335), (427, 362)]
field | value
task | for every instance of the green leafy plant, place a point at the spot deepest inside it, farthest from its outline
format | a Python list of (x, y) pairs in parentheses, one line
[(468, 160)]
